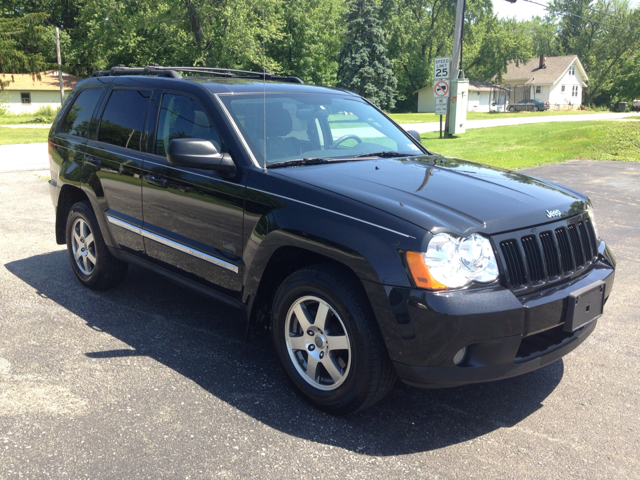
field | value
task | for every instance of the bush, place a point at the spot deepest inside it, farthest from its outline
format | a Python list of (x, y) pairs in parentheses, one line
[(599, 108), (45, 114)]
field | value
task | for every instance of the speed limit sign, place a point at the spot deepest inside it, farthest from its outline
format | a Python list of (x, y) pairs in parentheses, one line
[(440, 67)]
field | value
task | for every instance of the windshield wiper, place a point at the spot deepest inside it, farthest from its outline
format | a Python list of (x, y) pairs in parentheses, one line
[(298, 161), (386, 154)]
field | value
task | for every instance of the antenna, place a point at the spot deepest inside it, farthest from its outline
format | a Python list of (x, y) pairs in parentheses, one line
[(264, 96)]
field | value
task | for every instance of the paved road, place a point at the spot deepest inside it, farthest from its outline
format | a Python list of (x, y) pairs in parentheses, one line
[(506, 120), (26, 156), (150, 380)]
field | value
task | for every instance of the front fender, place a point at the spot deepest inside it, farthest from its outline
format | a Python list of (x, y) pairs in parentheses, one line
[(369, 242)]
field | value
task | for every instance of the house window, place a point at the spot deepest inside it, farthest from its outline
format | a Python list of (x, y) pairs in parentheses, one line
[(25, 97), (572, 70), (538, 89), (574, 91)]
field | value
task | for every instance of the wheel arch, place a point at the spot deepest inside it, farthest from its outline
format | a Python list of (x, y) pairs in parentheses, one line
[(69, 195), (279, 255)]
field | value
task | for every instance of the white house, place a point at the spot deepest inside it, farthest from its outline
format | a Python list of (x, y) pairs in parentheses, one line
[(25, 93), (479, 96), (426, 101), (557, 80), (478, 99)]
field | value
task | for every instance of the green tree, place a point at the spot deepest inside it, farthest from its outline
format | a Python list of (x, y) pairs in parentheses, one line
[(363, 66), (311, 39), (493, 44), (418, 31), (23, 44), (605, 37)]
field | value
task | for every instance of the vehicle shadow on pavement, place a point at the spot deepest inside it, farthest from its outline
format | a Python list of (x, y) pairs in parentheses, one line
[(204, 341)]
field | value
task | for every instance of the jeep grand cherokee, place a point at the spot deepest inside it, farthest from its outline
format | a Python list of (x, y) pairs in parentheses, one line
[(366, 255)]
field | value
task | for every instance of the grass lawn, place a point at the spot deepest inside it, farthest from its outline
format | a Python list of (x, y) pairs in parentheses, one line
[(23, 135), (521, 146), (431, 117), (17, 119)]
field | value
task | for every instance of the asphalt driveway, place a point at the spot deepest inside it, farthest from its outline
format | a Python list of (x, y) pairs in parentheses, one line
[(150, 380)]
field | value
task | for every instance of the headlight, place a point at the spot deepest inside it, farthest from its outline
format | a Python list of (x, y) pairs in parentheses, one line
[(451, 262), (593, 219)]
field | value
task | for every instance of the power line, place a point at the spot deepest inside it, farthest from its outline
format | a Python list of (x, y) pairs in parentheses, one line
[(605, 13), (566, 12)]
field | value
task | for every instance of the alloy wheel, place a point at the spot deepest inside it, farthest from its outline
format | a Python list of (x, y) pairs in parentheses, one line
[(318, 343), (83, 247)]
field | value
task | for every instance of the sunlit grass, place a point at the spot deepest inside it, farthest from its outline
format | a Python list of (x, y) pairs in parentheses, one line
[(23, 135), (520, 146)]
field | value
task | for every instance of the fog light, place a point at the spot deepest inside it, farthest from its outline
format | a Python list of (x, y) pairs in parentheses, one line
[(458, 357)]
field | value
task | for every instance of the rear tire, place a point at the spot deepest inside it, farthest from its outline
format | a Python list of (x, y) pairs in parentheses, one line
[(328, 341), (90, 259)]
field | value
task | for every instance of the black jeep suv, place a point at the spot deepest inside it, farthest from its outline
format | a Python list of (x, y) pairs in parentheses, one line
[(367, 256)]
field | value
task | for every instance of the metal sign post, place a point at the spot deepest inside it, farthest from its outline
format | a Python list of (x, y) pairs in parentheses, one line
[(457, 43), (59, 67), (441, 74)]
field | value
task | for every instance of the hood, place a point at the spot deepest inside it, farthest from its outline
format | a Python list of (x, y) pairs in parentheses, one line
[(443, 194)]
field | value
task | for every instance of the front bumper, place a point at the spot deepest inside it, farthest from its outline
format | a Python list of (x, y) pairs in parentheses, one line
[(505, 335)]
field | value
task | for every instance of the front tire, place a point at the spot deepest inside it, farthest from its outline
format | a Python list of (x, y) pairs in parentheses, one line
[(328, 341), (90, 259)]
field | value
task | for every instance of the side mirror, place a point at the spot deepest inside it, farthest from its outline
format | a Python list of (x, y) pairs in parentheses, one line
[(199, 153), (415, 135)]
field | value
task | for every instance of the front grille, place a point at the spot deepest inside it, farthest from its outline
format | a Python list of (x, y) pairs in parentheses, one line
[(562, 250)]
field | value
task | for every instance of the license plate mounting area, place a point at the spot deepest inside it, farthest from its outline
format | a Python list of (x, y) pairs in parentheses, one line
[(584, 305)]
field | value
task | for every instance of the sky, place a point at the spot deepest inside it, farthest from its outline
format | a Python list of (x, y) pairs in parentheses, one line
[(521, 10), (524, 10)]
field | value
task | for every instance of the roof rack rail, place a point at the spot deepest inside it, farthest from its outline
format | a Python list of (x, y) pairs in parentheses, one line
[(172, 72)]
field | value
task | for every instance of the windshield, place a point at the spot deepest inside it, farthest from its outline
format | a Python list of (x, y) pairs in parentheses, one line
[(314, 126)]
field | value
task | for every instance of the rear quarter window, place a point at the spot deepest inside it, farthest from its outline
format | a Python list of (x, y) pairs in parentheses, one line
[(77, 121)]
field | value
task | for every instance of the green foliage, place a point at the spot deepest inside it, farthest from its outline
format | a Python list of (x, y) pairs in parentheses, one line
[(45, 114), (607, 46), (311, 39), (23, 135), (499, 42), (521, 146), (22, 41), (363, 66), (383, 49)]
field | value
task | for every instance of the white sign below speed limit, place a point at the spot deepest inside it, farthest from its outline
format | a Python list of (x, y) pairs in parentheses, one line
[(441, 67)]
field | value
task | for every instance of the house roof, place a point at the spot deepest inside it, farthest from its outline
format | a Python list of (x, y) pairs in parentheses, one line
[(531, 72), (481, 86), (48, 81)]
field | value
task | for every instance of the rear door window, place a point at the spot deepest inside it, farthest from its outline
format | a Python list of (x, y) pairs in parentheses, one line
[(77, 121), (123, 119), (182, 117)]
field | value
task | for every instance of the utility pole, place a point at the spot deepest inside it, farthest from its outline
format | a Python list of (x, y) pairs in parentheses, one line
[(59, 66), (455, 59)]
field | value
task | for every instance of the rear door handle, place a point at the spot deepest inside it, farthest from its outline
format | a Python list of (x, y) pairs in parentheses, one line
[(93, 161), (157, 181)]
